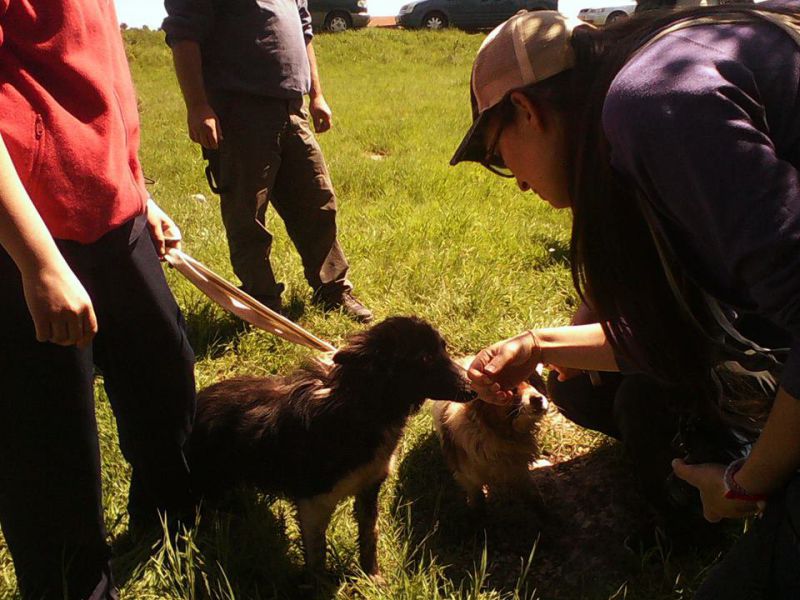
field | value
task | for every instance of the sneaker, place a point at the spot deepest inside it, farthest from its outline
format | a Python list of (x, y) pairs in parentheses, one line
[(347, 303)]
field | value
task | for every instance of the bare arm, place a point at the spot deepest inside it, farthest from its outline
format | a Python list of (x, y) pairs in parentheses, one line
[(502, 366), (59, 305), (582, 347), (320, 111), (776, 455), (204, 127)]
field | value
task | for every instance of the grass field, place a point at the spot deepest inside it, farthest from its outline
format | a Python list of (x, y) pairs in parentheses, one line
[(457, 246)]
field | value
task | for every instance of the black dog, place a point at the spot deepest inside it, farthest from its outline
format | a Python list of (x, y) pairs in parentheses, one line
[(325, 432)]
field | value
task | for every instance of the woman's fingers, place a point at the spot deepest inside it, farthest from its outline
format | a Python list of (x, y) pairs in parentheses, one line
[(488, 390)]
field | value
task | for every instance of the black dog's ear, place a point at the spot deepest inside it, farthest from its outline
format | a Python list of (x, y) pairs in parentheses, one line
[(358, 356), (346, 356), (354, 351)]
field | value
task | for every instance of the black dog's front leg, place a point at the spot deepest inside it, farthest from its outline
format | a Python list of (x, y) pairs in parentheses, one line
[(366, 512), (314, 515)]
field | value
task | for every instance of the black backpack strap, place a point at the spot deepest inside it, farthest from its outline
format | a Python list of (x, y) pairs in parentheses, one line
[(732, 346)]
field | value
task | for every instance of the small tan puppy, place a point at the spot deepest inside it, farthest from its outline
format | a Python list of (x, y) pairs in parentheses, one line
[(488, 446)]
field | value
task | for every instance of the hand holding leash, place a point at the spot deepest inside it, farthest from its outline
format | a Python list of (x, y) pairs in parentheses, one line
[(163, 231)]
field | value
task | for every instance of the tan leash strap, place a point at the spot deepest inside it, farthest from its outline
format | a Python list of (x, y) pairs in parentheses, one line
[(244, 306)]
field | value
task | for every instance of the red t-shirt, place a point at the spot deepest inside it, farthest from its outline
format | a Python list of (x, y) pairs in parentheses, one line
[(68, 114)]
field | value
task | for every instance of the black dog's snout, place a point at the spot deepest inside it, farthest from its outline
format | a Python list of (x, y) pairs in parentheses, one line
[(466, 395), (449, 382)]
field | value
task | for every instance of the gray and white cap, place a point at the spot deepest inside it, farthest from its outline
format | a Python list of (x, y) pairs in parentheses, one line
[(528, 48)]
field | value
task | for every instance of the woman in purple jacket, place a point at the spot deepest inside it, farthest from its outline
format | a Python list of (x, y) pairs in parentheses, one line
[(675, 141)]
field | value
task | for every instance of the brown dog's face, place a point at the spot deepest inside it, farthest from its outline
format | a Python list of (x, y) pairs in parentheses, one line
[(525, 410), (411, 355), (529, 404)]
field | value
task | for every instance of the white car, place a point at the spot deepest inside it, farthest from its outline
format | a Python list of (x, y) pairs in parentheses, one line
[(606, 15)]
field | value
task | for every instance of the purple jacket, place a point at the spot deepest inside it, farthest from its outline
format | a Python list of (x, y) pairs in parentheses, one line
[(706, 121)]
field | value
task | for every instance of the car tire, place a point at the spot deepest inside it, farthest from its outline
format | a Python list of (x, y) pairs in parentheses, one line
[(434, 20), (615, 17), (338, 21)]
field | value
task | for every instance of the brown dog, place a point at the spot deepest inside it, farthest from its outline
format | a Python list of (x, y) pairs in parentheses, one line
[(489, 446), (325, 432)]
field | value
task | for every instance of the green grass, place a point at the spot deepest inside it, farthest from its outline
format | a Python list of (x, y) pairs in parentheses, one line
[(457, 246)]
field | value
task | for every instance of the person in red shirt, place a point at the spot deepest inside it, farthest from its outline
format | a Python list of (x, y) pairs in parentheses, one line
[(82, 288)]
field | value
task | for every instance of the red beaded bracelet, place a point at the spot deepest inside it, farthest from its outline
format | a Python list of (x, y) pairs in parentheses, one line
[(734, 491)]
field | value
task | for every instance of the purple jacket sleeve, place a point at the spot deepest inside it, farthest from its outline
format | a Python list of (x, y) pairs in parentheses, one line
[(698, 131), (188, 20)]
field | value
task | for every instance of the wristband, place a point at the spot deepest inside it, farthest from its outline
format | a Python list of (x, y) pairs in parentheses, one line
[(734, 491), (537, 348)]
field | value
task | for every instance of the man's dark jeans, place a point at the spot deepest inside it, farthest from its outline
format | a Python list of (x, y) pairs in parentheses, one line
[(50, 496), (269, 155)]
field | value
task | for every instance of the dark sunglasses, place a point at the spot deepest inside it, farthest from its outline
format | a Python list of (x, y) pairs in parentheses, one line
[(492, 160)]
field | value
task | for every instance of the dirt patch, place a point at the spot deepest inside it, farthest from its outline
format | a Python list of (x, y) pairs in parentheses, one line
[(382, 22), (377, 155)]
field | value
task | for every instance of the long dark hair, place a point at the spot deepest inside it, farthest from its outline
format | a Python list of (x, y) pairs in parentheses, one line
[(665, 329)]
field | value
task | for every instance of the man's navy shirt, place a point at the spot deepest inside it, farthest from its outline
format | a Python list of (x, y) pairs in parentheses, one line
[(248, 46)]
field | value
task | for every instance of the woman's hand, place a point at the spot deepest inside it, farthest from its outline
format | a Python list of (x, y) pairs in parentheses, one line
[(564, 373), (498, 369), (61, 309), (709, 480), (163, 231)]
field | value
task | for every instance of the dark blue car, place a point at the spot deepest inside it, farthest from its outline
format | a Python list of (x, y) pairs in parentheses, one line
[(338, 15), (465, 14)]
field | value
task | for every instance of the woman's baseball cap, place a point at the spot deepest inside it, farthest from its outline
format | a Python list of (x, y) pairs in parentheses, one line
[(528, 48)]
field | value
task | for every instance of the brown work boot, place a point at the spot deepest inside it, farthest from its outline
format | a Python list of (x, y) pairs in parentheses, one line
[(348, 303)]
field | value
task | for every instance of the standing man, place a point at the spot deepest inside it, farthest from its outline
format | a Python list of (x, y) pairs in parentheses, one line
[(244, 67)]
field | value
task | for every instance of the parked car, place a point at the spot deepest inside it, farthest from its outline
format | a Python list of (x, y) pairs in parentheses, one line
[(643, 5), (606, 15), (338, 15), (465, 14)]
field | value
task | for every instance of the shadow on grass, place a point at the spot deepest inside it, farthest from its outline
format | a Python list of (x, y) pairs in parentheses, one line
[(557, 253), (212, 330), (240, 552), (586, 518), (444, 527)]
